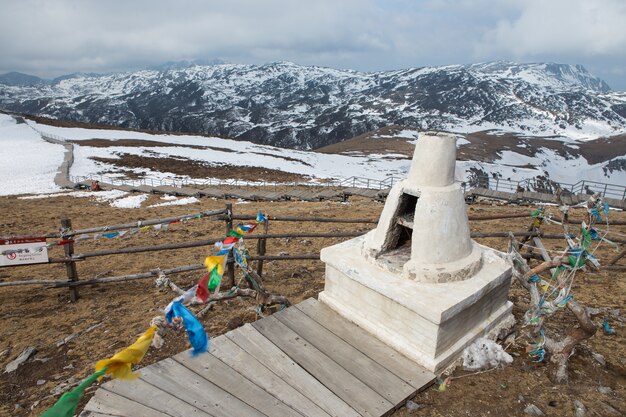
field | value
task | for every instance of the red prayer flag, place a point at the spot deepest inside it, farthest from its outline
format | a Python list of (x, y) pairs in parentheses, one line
[(202, 292), (230, 239)]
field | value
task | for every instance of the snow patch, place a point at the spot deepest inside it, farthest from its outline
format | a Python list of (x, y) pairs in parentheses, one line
[(130, 202), (484, 354), (181, 202), (28, 164), (100, 195)]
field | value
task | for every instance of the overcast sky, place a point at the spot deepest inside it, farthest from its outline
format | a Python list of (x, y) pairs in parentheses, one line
[(49, 38)]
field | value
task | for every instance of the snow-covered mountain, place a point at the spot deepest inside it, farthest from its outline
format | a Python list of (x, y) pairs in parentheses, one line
[(293, 106)]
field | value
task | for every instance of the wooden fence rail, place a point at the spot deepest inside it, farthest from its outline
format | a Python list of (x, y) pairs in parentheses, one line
[(66, 232), (228, 217)]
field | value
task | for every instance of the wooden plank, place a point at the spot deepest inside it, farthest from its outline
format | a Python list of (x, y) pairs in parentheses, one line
[(614, 202), (257, 345), (172, 377), (362, 340), (371, 373), (144, 188), (369, 193), (478, 191), (92, 414), (271, 196), (222, 375), (502, 195), (105, 402), (546, 197), (239, 193), (187, 191), (544, 253), (566, 199), (308, 196), (163, 189), (240, 360), (122, 187), (345, 385), (329, 193), (212, 192), (148, 395)]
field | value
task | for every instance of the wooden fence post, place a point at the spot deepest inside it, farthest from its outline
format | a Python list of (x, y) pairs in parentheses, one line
[(260, 249), (72, 275), (617, 257), (230, 271)]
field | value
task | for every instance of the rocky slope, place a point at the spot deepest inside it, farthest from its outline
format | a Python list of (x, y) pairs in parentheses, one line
[(288, 105)]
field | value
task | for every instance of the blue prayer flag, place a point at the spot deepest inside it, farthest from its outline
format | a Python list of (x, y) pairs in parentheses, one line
[(197, 336)]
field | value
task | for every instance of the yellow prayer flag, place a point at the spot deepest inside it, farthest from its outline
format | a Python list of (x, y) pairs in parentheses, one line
[(211, 261), (119, 365)]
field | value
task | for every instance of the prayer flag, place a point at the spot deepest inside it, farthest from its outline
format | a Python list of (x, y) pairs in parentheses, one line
[(242, 229), (224, 248), (66, 405), (212, 261), (605, 207), (208, 284), (186, 297), (119, 365), (234, 233), (197, 336)]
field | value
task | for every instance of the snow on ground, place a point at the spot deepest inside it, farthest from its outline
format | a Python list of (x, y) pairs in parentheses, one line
[(222, 151), (132, 201), (117, 198), (168, 197), (177, 202), (99, 195), (516, 167), (28, 164)]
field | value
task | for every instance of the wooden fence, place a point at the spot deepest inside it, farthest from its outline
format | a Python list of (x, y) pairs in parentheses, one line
[(227, 216)]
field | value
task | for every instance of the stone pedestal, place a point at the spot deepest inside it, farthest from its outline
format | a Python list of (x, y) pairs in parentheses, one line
[(429, 323), (418, 282)]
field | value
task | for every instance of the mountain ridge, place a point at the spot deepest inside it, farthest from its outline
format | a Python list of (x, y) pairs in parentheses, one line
[(293, 106)]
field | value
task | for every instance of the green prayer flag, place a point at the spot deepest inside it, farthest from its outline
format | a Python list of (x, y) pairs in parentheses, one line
[(66, 405), (235, 234), (576, 262), (586, 238), (214, 279)]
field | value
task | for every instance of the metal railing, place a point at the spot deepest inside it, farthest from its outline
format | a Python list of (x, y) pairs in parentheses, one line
[(548, 186), (354, 182)]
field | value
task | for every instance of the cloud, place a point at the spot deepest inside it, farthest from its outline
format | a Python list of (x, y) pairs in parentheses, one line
[(559, 28), (50, 38), (101, 35)]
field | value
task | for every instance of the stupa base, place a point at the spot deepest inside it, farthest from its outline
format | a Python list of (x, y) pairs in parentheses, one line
[(429, 323)]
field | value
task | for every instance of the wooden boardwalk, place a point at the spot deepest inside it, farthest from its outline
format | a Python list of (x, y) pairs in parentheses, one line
[(303, 361), (530, 196), (303, 193)]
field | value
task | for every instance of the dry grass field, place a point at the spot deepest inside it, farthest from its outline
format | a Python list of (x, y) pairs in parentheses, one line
[(41, 317)]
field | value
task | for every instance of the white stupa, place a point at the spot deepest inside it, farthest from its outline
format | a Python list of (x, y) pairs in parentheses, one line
[(418, 282)]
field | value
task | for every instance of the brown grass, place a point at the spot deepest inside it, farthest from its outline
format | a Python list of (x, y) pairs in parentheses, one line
[(199, 169), (34, 316)]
